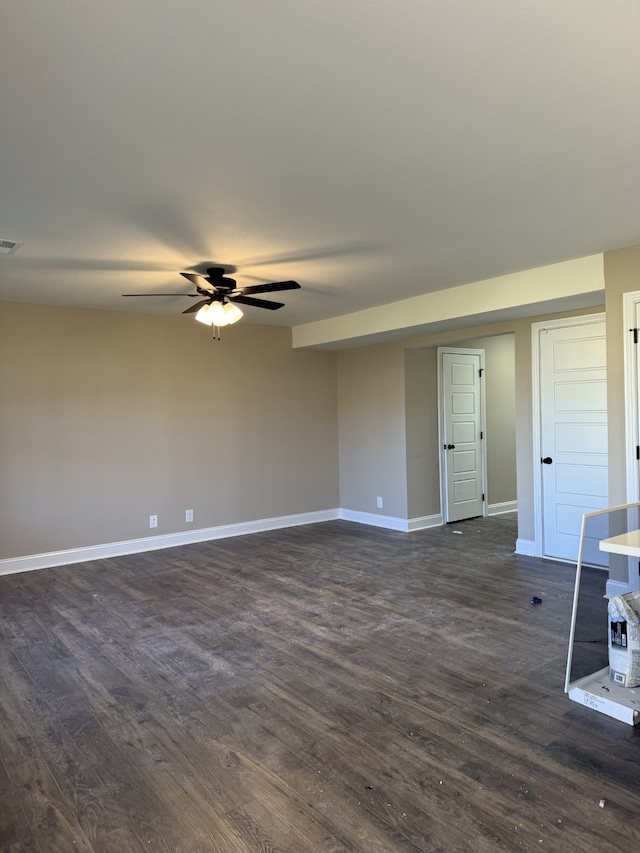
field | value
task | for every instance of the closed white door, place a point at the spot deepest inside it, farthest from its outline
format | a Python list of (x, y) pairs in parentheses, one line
[(573, 452), (461, 434)]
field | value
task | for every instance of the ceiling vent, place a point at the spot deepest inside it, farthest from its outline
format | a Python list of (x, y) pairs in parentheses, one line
[(8, 247)]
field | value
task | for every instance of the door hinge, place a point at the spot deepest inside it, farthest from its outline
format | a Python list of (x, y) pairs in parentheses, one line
[(483, 497), (637, 451), (481, 435), (635, 335), (481, 371)]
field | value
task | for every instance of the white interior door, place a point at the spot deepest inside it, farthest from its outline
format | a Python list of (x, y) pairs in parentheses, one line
[(461, 433), (573, 410)]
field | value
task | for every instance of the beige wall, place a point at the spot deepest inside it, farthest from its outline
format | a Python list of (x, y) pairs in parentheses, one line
[(421, 424), (372, 430), (387, 422), (524, 429), (108, 417)]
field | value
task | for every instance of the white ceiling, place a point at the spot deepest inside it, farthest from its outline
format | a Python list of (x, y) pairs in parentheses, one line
[(372, 150)]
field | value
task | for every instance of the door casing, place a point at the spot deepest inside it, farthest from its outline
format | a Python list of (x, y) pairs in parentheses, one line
[(631, 311)]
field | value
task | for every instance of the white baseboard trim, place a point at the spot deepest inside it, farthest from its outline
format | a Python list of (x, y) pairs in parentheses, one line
[(616, 588), (499, 509), (424, 522), (33, 562), (389, 522), (526, 547)]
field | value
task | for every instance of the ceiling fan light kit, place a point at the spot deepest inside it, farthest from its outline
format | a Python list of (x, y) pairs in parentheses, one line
[(218, 307), (219, 314)]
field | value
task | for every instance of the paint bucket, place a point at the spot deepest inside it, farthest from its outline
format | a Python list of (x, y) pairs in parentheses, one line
[(624, 639)]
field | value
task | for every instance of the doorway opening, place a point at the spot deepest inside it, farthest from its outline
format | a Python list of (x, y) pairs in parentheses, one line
[(425, 502)]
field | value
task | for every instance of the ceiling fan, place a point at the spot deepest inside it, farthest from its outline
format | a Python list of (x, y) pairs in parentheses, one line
[(219, 307)]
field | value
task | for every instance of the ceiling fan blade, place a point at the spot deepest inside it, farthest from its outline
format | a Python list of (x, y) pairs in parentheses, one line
[(256, 303), (193, 308), (201, 283), (161, 294), (272, 287), (193, 277)]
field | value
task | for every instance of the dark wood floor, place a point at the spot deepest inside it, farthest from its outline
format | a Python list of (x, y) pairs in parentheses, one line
[(325, 688)]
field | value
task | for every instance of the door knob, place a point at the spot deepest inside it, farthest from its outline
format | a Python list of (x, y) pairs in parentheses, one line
[(450, 446), (547, 460)]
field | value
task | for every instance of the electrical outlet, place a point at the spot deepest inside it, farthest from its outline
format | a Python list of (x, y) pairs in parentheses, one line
[(379, 502), (153, 521), (188, 516)]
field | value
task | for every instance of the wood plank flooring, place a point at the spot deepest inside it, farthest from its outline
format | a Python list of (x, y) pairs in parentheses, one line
[(325, 688)]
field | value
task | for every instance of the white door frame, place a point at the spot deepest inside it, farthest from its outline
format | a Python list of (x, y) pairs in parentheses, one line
[(630, 302), (538, 329), (483, 425), (630, 312)]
